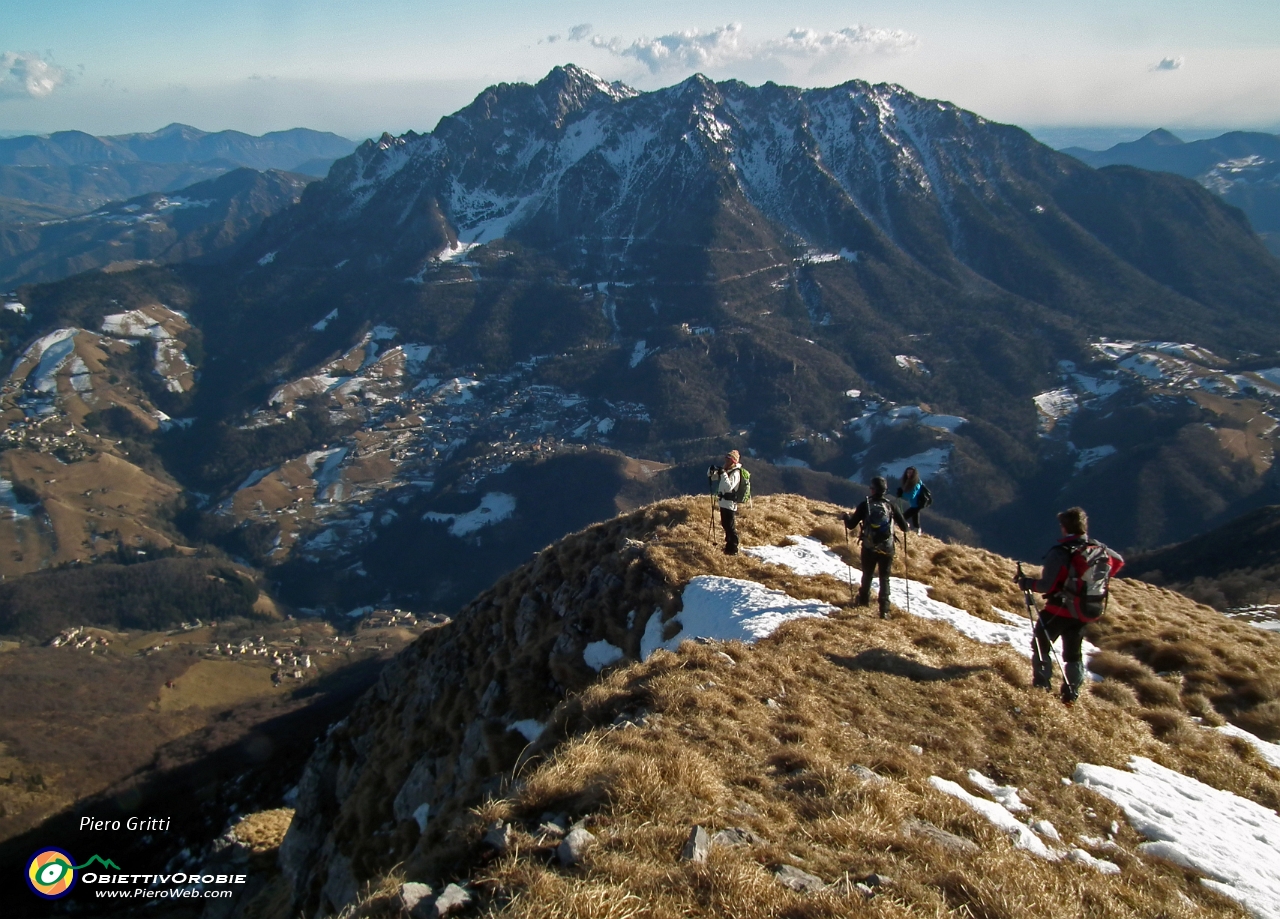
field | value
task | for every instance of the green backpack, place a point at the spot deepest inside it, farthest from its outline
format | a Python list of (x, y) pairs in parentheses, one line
[(742, 494)]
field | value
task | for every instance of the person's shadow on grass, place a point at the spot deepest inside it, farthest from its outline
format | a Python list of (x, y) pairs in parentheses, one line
[(878, 660)]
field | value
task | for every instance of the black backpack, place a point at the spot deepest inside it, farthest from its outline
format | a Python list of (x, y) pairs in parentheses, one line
[(877, 526), (1087, 588), (924, 498)]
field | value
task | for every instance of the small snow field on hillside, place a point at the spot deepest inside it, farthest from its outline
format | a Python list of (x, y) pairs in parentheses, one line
[(650, 697)]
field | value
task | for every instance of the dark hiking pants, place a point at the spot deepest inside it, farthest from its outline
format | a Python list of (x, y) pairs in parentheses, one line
[(873, 564), (1049, 628), (729, 521)]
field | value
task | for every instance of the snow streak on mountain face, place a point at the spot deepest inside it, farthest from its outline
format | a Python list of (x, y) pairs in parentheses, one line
[(576, 158)]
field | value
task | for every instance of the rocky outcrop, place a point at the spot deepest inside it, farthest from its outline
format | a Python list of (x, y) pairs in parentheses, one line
[(454, 713)]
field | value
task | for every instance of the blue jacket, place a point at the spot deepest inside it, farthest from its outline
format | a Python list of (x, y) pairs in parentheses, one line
[(912, 494)]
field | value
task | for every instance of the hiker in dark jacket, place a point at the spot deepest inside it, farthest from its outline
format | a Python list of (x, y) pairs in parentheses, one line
[(877, 516), (912, 490), (1066, 611), (725, 482)]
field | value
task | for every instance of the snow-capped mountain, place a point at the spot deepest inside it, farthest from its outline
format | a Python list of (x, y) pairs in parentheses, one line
[(855, 279)]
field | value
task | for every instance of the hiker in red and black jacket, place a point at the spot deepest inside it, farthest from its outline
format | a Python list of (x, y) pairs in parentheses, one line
[(1074, 581)]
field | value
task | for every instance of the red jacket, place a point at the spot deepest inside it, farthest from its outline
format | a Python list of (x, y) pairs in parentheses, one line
[(1058, 564)]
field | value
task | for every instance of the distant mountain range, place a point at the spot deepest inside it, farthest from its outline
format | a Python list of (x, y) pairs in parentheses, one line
[(1241, 166), (391, 383), (191, 223), (178, 143), (69, 173)]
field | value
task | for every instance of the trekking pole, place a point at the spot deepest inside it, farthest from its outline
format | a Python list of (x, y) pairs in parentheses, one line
[(848, 566), (1034, 614), (906, 564)]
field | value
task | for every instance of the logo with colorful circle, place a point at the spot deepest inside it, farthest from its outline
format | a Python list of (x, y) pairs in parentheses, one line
[(51, 873)]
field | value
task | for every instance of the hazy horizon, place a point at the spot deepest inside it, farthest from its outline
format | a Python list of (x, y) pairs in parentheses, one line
[(126, 66)]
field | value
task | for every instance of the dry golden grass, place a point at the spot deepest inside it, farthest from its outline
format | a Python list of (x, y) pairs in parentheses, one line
[(90, 506), (764, 739), (219, 685), (264, 830)]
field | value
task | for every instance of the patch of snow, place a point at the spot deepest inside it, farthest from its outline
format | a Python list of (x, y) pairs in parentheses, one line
[(1100, 865), (790, 461), (324, 323), (911, 364), (1095, 386), (805, 556), (530, 728), (360, 612), (456, 253), (928, 464), (600, 654), (1232, 840), (1269, 751), (1005, 795), (1088, 457), (999, 817), (10, 502), (78, 372), (14, 306), (324, 466), (494, 507), (729, 609), (808, 557), (1255, 381), (1046, 829), (54, 350), (415, 356), (383, 333), (255, 477), (640, 352), (268, 258), (457, 390), (849, 255), (1053, 406), (1143, 365), (134, 324)]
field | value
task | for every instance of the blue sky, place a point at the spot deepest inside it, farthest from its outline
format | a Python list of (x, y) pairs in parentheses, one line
[(115, 66)]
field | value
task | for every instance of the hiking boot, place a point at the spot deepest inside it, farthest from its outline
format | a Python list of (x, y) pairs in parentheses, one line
[(731, 551), (862, 601), (1075, 679), (884, 614), (1041, 676)]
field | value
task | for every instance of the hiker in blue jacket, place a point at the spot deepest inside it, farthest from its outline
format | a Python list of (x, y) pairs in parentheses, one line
[(913, 491)]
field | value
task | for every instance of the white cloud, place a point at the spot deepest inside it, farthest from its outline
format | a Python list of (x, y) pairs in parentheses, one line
[(23, 73), (725, 45), (1168, 63), (857, 40)]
